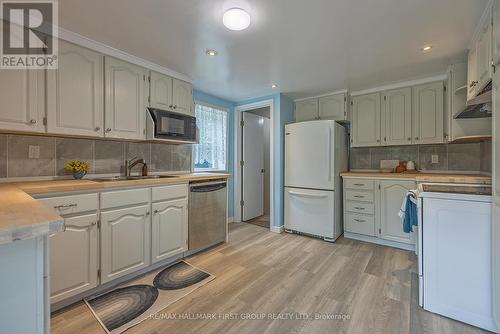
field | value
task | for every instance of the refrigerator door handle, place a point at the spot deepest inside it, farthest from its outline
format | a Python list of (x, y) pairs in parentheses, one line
[(329, 154), (301, 194)]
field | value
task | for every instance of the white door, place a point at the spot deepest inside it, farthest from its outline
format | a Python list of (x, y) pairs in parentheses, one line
[(333, 107), (392, 194), (397, 117), (471, 74), (483, 61), (73, 258), (366, 120), (309, 150), (306, 110), (125, 241), (496, 32), (253, 166), (75, 93), (496, 193), (169, 229), (310, 211), (182, 97), (428, 113), (125, 100), (161, 91), (22, 93)]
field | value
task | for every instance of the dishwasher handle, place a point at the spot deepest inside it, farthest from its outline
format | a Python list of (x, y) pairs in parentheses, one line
[(208, 188)]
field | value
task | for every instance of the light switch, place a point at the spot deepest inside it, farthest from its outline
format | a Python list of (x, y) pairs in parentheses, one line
[(435, 159), (34, 152)]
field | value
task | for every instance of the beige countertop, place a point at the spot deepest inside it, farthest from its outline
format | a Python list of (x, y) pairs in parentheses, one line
[(425, 177), (23, 217)]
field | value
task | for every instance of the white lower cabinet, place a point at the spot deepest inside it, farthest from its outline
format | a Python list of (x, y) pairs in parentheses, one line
[(125, 237), (371, 209), (392, 194), (74, 260), (169, 229)]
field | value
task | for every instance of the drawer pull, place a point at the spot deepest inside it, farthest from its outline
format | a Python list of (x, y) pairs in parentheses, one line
[(359, 196), (301, 194), (65, 206), (155, 212), (358, 208), (359, 184), (360, 220)]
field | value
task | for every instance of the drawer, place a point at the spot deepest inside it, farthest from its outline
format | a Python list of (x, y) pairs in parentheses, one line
[(362, 184), (360, 207), (114, 199), (68, 205), (169, 192), (359, 224), (364, 196)]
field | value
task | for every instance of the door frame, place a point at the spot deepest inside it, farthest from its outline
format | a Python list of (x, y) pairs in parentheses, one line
[(238, 181)]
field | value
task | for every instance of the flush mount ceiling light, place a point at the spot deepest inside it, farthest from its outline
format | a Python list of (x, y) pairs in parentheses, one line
[(236, 19), (274, 86), (426, 48), (211, 52)]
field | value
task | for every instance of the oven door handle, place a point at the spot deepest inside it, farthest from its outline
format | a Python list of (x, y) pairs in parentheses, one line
[(208, 188)]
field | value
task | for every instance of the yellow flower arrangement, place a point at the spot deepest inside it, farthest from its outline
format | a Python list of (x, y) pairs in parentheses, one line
[(78, 166)]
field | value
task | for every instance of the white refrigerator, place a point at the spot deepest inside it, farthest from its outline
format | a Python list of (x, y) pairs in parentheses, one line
[(315, 155)]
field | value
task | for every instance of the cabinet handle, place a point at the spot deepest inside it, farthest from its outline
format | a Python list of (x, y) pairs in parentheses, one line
[(93, 224), (64, 206), (175, 106), (108, 130), (155, 212), (409, 138), (359, 196), (147, 213), (359, 184), (33, 121), (378, 140), (170, 105), (360, 220), (358, 208), (473, 83), (97, 128), (416, 138)]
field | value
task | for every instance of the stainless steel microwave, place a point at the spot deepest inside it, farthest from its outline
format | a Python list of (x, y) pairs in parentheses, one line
[(171, 126)]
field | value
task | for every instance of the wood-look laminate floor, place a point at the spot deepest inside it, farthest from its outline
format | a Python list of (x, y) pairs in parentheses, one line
[(263, 221), (279, 275)]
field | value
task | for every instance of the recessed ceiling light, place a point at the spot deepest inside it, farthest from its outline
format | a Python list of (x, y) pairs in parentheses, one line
[(236, 19), (211, 52), (274, 86), (427, 48)]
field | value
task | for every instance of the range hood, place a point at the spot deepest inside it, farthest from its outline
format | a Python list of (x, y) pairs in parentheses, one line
[(478, 107)]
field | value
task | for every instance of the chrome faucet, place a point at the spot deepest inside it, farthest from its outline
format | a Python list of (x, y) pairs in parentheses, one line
[(129, 164)]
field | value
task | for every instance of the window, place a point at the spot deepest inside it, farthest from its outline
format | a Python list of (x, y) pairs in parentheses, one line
[(211, 152)]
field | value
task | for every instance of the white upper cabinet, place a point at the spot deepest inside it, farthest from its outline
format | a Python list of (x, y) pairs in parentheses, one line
[(306, 110), (397, 117), (392, 194), (496, 33), (471, 74), (483, 53), (161, 91), (366, 120), (333, 107), (22, 93), (75, 93), (125, 112), (428, 113), (182, 97)]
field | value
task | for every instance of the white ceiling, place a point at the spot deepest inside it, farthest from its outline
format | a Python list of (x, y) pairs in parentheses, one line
[(306, 47)]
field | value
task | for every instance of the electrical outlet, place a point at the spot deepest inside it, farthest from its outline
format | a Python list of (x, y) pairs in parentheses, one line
[(435, 159), (34, 152)]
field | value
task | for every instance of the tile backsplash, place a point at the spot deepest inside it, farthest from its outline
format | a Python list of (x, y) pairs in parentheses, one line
[(104, 156), (467, 157)]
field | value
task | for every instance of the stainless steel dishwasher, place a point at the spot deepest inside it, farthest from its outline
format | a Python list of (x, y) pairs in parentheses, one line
[(207, 214)]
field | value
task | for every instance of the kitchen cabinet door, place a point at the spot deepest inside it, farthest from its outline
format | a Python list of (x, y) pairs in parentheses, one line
[(392, 194), (397, 117), (428, 113), (496, 134), (22, 93), (161, 91), (75, 93), (306, 110), (73, 258), (496, 32), (333, 107), (366, 120), (483, 53), (125, 112), (169, 229), (471, 74), (182, 97), (125, 241)]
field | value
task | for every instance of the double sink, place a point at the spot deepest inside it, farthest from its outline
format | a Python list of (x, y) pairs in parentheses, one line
[(129, 178)]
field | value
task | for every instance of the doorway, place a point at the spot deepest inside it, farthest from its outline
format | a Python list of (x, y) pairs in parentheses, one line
[(255, 166)]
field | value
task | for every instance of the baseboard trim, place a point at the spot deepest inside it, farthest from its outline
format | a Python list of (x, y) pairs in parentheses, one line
[(378, 241), (230, 220), (278, 229)]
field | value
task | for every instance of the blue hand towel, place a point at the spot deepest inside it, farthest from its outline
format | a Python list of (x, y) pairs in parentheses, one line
[(410, 218)]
